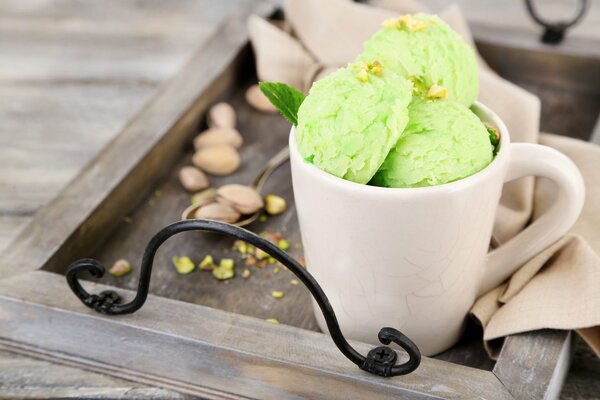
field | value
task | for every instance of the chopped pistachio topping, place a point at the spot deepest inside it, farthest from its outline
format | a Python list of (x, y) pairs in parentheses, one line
[(375, 68), (277, 294), (240, 246), (437, 92), (363, 76), (183, 265), (405, 21), (227, 263)]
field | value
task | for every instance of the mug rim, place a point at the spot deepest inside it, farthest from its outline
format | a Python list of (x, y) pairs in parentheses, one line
[(484, 113)]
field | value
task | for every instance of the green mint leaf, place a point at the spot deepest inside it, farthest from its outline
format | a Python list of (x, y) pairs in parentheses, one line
[(286, 98), (493, 138)]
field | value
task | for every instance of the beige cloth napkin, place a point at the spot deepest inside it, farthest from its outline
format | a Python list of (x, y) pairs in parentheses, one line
[(560, 287)]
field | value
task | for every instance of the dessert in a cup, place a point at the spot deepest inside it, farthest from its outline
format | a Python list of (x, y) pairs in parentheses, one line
[(374, 146)]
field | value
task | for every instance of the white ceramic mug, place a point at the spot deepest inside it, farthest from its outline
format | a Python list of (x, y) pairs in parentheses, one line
[(415, 259)]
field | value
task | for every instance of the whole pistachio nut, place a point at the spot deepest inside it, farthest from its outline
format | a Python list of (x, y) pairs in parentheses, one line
[(120, 268), (258, 100), (192, 179), (221, 115), (218, 212), (218, 160), (217, 136), (243, 198), (274, 204), (205, 197)]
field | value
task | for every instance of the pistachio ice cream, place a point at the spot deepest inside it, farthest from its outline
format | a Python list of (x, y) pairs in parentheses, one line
[(352, 118), (425, 49), (443, 142), (399, 116)]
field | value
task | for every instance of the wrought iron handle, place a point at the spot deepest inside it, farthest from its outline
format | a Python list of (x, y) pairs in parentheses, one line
[(554, 32), (380, 360)]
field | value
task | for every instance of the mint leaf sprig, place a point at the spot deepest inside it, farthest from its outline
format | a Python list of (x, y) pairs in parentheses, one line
[(285, 98)]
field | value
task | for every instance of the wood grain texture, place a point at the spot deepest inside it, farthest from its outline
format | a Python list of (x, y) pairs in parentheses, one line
[(33, 378), (118, 170), (72, 74), (209, 350)]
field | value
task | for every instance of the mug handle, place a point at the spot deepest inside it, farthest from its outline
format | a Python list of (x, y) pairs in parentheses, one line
[(533, 159)]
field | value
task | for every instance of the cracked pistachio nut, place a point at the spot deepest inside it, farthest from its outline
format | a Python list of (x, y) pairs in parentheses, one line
[(192, 179), (204, 197), (275, 205), (220, 160), (221, 115), (183, 265), (120, 268), (243, 198), (218, 212), (218, 136), (258, 100)]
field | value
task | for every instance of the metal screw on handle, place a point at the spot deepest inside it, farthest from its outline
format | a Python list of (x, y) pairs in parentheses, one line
[(379, 361), (554, 32)]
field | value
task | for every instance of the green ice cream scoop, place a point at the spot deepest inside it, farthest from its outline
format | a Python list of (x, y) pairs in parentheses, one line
[(443, 142), (424, 48), (352, 118)]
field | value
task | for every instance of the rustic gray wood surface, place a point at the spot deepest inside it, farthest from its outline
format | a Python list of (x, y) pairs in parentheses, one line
[(29, 43)]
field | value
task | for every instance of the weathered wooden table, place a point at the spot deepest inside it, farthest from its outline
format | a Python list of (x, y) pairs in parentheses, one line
[(157, 54)]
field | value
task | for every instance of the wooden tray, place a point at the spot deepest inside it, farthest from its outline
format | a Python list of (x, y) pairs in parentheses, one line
[(196, 334)]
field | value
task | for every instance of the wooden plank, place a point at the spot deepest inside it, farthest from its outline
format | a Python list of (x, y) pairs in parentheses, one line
[(26, 377), (519, 367), (137, 156), (209, 352)]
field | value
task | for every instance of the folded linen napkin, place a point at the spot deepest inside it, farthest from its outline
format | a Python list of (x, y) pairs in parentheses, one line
[(560, 287)]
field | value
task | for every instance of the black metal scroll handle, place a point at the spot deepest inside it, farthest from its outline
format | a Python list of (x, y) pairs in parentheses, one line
[(380, 361), (554, 32)]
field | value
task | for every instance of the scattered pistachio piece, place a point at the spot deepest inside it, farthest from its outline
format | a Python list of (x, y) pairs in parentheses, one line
[(218, 212), (274, 204), (243, 198), (283, 244), (262, 218), (275, 270), (157, 193), (205, 197), (437, 92), (225, 269), (245, 273), (218, 136), (271, 260), (302, 261), (240, 246), (183, 265), (251, 261), (277, 294), (272, 320), (412, 23), (260, 254), (120, 268), (221, 115), (193, 179), (294, 282), (218, 160), (207, 263)]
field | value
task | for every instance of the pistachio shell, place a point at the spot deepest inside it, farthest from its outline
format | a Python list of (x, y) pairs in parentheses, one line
[(193, 179), (204, 197), (221, 115), (216, 136), (218, 212), (243, 198), (217, 160), (258, 100)]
